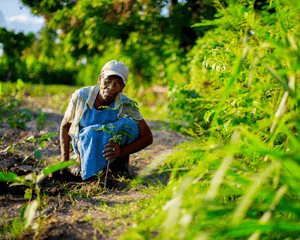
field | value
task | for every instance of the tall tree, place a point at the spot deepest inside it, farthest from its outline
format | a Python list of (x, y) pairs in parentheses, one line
[(13, 46)]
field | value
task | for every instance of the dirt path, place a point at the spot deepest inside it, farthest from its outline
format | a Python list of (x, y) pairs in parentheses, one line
[(76, 209)]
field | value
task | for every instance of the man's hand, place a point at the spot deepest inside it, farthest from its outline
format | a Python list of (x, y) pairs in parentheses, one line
[(113, 150)]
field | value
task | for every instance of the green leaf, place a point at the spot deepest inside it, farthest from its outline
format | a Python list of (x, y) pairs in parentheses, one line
[(218, 178), (30, 212), (47, 136), (248, 198), (281, 21), (9, 177), (26, 111), (57, 166), (158, 160), (247, 228), (22, 211), (295, 141), (20, 84), (208, 114), (229, 85), (283, 83), (292, 167), (43, 144), (38, 154), (28, 193)]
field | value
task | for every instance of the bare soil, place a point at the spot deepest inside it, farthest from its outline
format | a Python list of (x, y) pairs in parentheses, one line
[(72, 208)]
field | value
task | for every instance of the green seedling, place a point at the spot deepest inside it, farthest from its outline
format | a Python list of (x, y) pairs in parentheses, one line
[(87, 218), (12, 230), (37, 145), (6, 106), (41, 121), (33, 181), (19, 118), (116, 135)]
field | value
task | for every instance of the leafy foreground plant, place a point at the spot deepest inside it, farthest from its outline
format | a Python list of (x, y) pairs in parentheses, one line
[(33, 181), (244, 180), (37, 145)]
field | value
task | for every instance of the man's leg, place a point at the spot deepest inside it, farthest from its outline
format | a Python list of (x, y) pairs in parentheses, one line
[(120, 164)]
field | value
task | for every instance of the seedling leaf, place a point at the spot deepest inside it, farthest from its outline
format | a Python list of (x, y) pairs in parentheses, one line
[(30, 212), (57, 166), (9, 177), (38, 153), (47, 136)]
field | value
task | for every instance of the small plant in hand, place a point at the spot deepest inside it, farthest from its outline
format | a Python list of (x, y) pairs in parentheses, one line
[(37, 145), (117, 134)]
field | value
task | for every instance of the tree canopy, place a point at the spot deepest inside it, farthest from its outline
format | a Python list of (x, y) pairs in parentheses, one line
[(86, 25)]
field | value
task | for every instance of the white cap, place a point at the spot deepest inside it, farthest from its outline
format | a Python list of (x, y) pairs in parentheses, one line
[(116, 68)]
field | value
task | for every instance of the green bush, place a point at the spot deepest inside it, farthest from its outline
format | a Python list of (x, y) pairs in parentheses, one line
[(19, 118), (244, 180)]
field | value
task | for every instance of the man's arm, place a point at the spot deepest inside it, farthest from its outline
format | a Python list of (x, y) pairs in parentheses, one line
[(65, 140), (144, 139)]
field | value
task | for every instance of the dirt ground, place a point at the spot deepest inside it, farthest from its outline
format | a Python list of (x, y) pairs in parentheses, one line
[(74, 209)]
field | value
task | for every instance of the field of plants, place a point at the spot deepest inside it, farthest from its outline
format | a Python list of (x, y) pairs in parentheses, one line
[(36, 204), (223, 107)]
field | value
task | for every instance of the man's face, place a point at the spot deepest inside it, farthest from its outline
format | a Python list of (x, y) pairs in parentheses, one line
[(110, 87)]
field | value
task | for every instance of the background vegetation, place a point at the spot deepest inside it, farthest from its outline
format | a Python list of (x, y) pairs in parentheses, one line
[(231, 68)]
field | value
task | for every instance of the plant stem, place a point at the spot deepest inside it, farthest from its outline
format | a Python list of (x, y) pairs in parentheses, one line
[(282, 105), (108, 162)]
